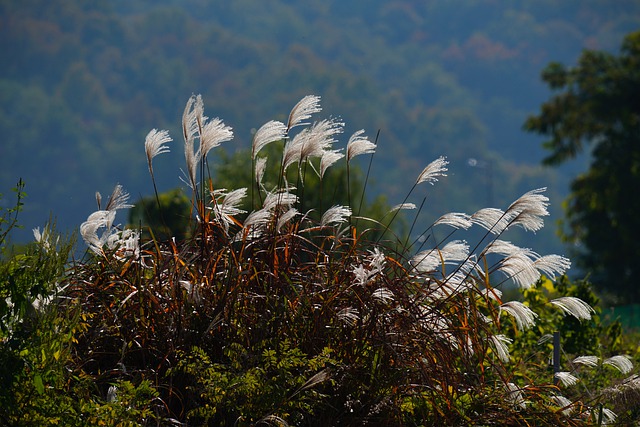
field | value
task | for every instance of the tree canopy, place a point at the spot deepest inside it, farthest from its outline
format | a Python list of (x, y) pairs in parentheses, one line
[(596, 107)]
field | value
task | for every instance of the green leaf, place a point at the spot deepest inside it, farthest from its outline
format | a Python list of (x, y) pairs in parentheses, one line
[(37, 382)]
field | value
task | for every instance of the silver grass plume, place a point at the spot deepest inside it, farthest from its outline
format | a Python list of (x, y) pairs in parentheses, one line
[(154, 145), (586, 360), (433, 170), (608, 416), (503, 247), (493, 220), (519, 268), (96, 221), (292, 152), (226, 205), (349, 316), (515, 396), (261, 167), (255, 224), (566, 378), (320, 138), (286, 217), (191, 118), (279, 198), (402, 206), (430, 259), (118, 199), (574, 306), (527, 211), (456, 250), (626, 394), (335, 214), (303, 110), (565, 404), (455, 220), (383, 295), (273, 420), (621, 362), (501, 346), (269, 132), (125, 243), (361, 274), (104, 219), (359, 144), (328, 159), (214, 133), (523, 315), (552, 265)]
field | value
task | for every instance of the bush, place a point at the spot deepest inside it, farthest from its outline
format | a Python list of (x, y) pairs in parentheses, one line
[(282, 316)]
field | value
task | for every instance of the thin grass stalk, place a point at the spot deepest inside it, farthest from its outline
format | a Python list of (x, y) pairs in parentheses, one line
[(366, 179)]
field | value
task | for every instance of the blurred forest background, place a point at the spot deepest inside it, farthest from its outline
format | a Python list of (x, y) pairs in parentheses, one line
[(82, 82)]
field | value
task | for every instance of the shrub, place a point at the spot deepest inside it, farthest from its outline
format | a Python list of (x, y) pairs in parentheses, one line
[(277, 313)]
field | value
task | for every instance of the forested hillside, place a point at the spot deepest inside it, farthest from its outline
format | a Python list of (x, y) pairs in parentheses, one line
[(82, 82)]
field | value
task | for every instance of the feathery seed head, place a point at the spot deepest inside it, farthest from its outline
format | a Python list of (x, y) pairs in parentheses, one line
[(586, 360), (402, 206), (505, 248), (320, 138), (261, 167), (335, 215), (329, 158), (456, 250), (153, 145), (493, 220), (533, 202), (552, 265), (118, 199), (383, 295), (563, 402), (349, 316), (515, 395), (621, 362), (255, 223), (226, 205), (269, 132), (125, 243), (292, 152), (608, 416), (96, 221), (566, 378), (519, 268), (523, 315), (189, 118), (433, 170), (279, 198), (501, 345), (528, 210), (286, 217), (426, 261), (574, 306), (359, 144), (455, 220), (303, 110), (214, 133)]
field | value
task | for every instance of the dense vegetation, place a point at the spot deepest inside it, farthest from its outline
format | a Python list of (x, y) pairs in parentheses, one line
[(280, 314), (80, 80), (595, 106)]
